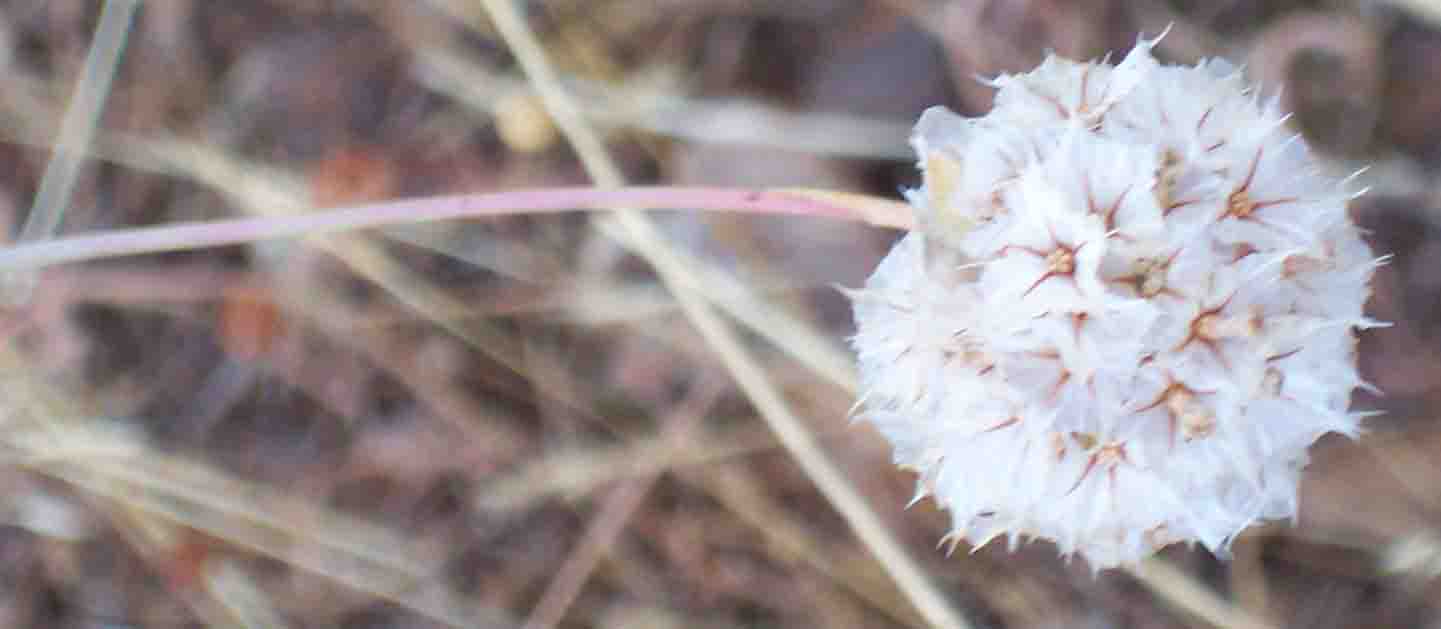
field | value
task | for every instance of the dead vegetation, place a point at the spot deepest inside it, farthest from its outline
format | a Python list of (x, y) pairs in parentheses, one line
[(610, 419)]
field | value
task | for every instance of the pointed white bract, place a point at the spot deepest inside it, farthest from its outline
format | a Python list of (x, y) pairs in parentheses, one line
[(1127, 311)]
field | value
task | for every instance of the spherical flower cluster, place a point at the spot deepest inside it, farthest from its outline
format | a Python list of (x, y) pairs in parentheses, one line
[(1127, 311)]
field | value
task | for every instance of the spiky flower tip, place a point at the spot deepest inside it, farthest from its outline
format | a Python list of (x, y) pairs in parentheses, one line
[(1127, 311)]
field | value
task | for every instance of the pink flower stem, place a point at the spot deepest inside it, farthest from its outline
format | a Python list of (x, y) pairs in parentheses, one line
[(199, 235)]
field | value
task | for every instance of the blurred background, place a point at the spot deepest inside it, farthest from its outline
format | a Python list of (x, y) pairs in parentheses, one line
[(508, 421)]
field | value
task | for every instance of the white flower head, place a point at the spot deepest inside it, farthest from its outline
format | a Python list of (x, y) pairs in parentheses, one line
[(1127, 311)]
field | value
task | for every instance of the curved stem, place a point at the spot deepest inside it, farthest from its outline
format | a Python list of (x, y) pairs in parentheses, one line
[(200, 235)]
